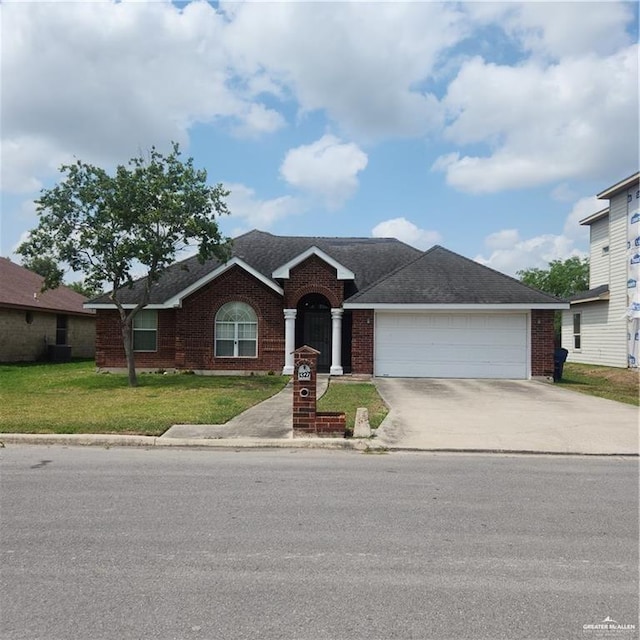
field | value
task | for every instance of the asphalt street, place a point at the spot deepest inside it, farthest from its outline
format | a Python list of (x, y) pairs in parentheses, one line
[(311, 545)]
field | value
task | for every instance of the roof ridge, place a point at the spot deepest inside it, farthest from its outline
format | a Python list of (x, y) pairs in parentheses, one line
[(500, 273)]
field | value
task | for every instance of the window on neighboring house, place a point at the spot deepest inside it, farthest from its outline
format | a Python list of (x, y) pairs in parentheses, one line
[(236, 331), (605, 250), (61, 330), (145, 331), (576, 330)]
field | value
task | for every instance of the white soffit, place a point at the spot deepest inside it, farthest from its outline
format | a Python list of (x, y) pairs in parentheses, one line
[(342, 271)]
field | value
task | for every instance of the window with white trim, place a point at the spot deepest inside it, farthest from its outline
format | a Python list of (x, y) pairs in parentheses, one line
[(576, 330), (145, 330), (236, 331)]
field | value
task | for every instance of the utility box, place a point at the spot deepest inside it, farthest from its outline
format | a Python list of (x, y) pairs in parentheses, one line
[(59, 353)]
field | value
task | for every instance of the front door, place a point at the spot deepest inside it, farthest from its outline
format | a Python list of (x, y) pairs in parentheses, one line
[(313, 327), (317, 334)]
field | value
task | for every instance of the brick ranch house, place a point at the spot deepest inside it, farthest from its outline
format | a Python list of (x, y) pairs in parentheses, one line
[(369, 305), (37, 325)]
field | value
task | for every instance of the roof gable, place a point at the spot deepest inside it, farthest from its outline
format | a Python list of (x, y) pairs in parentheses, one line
[(283, 271), (442, 277), (175, 301)]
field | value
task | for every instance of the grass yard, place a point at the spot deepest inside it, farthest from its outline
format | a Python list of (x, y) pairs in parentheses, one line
[(348, 396), (606, 382), (72, 398)]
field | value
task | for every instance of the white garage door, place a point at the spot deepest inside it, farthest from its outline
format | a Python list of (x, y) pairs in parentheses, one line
[(457, 345)]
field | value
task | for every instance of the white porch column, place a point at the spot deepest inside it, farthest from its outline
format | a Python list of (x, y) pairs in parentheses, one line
[(289, 340), (336, 342)]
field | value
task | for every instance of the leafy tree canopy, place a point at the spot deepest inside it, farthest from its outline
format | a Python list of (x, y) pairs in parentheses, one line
[(85, 290), (46, 267), (110, 227), (562, 279), (49, 269)]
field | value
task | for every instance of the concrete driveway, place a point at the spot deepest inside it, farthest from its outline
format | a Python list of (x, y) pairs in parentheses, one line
[(505, 415)]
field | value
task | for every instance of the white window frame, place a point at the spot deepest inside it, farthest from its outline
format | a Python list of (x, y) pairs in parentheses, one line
[(149, 313), (238, 324), (577, 335)]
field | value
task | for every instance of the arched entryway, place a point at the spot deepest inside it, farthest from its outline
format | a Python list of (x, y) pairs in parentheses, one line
[(313, 327)]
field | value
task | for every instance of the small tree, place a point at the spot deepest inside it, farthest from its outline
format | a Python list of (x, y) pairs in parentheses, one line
[(562, 279), (105, 226)]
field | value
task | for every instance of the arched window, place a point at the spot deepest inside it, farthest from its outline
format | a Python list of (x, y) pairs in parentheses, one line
[(236, 331)]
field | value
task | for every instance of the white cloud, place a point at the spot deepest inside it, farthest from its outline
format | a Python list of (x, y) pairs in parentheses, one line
[(504, 239), (530, 253), (570, 28), (581, 209), (257, 119), (509, 252), (406, 231), (327, 168), (249, 212), (362, 63), (105, 80), (576, 118)]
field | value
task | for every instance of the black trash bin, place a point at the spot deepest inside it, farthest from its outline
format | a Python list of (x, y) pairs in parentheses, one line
[(559, 358)]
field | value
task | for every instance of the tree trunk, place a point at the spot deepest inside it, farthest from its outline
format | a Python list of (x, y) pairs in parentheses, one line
[(127, 341)]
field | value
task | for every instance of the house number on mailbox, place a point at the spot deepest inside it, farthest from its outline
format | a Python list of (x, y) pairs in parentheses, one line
[(304, 372)]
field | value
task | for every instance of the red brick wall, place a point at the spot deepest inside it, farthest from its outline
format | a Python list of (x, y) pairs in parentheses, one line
[(186, 335), (109, 349), (196, 321), (313, 276), (542, 342), (362, 341)]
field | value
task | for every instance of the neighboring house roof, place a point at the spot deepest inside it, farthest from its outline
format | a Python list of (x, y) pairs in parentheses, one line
[(442, 277), (21, 289), (597, 294), (376, 270), (594, 217), (609, 192)]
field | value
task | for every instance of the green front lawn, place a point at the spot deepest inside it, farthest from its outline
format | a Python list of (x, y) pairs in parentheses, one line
[(349, 396), (72, 398), (605, 382)]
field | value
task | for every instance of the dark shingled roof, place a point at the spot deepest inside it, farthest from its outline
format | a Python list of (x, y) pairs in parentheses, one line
[(597, 292), (440, 276), (368, 258), (21, 289), (386, 271)]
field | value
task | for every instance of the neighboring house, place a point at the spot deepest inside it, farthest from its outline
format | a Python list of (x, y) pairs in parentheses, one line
[(369, 305), (36, 325), (600, 328)]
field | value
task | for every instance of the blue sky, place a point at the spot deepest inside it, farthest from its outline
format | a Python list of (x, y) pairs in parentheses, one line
[(487, 128)]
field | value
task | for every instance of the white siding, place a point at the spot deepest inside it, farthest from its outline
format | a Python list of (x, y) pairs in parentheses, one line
[(599, 261), (604, 324), (618, 278), (600, 341)]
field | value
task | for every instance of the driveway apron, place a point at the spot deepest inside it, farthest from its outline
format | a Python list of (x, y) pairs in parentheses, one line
[(503, 415)]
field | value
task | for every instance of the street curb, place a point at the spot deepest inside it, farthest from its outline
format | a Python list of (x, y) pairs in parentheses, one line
[(74, 439), (362, 445)]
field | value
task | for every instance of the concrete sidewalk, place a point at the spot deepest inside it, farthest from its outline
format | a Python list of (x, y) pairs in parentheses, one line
[(269, 419)]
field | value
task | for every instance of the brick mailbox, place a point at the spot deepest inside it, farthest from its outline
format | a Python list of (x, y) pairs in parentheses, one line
[(307, 421)]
